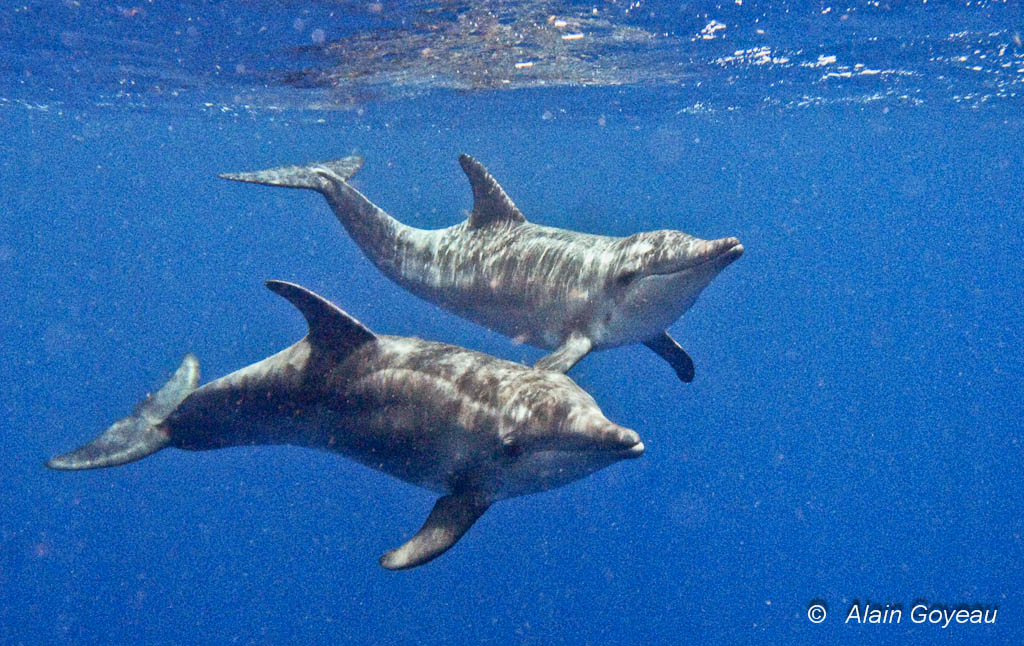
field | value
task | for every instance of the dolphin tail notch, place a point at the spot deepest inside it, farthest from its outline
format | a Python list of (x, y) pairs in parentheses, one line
[(139, 435), (301, 176)]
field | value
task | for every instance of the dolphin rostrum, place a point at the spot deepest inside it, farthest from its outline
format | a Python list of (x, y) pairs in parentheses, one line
[(552, 288), (467, 425)]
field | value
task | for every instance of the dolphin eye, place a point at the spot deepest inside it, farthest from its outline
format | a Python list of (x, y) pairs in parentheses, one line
[(625, 278)]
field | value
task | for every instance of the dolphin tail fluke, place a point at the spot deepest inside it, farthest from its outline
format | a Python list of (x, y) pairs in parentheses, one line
[(303, 176), (451, 517), (133, 438), (370, 227)]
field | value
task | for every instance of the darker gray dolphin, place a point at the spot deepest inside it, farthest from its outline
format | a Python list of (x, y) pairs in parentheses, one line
[(552, 288), (466, 425)]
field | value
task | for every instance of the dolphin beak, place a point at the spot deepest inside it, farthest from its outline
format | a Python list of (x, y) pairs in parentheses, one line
[(721, 252), (727, 250), (632, 452), (717, 253), (621, 440)]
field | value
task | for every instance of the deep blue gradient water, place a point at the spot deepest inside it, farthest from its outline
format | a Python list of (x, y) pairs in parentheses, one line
[(853, 433)]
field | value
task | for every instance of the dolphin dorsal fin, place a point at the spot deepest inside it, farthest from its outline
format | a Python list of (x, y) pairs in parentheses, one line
[(490, 203), (330, 327)]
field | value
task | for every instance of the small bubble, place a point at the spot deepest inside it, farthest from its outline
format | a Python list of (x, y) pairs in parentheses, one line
[(547, 116), (319, 36), (41, 549), (299, 24), (71, 39)]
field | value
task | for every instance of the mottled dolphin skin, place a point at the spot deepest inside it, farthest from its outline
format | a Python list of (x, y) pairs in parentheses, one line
[(466, 425), (552, 288)]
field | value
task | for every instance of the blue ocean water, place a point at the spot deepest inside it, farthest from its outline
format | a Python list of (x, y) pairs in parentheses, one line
[(853, 434)]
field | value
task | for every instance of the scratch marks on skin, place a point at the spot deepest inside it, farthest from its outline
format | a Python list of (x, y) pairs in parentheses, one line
[(517, 278), (469, 426), (535, 284)]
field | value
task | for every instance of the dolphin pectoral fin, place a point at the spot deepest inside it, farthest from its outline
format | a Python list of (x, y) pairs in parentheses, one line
[(668, 349), (450, 518), (566, 355)]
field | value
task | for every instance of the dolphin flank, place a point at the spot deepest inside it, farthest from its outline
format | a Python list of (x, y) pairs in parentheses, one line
[(471, 427), (553, 288)]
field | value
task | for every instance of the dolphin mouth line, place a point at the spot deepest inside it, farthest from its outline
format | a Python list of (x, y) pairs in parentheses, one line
[(633, 451)]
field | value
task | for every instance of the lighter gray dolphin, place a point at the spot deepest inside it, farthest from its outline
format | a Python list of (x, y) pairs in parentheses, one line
[(471, 427), (555, 289)]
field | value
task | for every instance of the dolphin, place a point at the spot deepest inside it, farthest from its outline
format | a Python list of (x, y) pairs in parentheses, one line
[(469, 426), (556, 289)]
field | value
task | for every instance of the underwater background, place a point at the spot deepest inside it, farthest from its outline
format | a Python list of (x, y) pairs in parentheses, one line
[(853, 434)]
